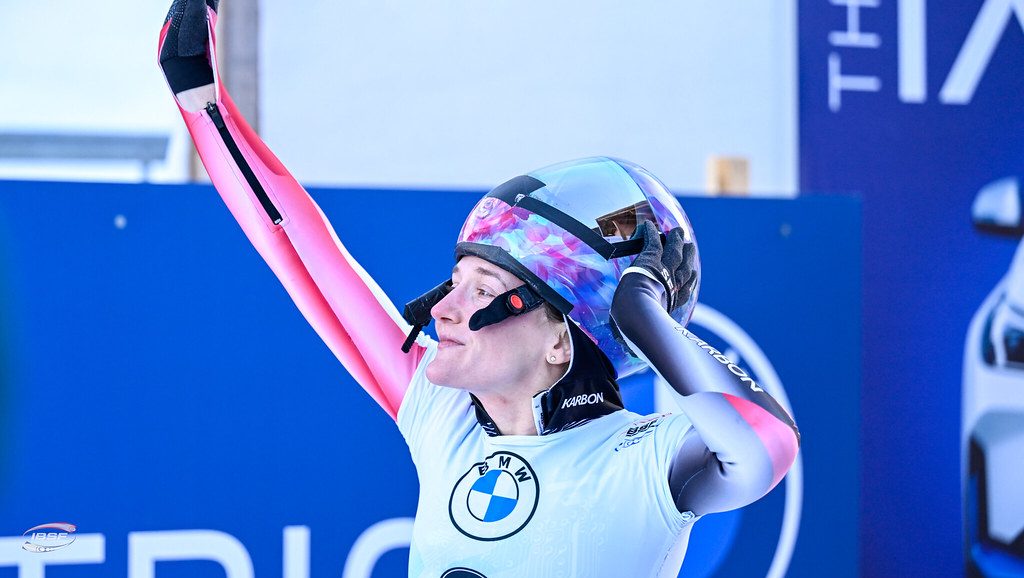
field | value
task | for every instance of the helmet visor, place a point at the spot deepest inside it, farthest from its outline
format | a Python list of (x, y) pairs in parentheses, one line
[(598, 193)]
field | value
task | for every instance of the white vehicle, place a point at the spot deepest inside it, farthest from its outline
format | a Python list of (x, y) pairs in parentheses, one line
[(992, 439)]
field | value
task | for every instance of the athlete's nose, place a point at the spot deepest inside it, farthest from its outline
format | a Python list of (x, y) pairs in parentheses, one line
[(447, 309)]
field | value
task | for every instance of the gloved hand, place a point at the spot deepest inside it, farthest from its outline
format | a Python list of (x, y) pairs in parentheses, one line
[(184, 54), (672, 264)]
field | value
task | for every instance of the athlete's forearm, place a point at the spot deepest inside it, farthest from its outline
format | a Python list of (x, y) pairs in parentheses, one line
[(290, 232), (750, 437)]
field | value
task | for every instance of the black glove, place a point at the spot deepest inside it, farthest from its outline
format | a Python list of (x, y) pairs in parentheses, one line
[(184, 56), (671, 264)]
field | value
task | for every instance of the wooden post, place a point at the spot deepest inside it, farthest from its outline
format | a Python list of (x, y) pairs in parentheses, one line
[(728, 176), (238, 49)]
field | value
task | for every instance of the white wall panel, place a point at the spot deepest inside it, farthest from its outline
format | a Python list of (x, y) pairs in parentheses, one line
[(68, 66), (468, 93)]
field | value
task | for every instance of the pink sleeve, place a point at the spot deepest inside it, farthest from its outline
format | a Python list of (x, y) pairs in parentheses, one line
[(342, 303), (774, 435)]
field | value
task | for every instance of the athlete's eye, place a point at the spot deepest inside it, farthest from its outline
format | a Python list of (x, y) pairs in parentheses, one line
[(484, 293)]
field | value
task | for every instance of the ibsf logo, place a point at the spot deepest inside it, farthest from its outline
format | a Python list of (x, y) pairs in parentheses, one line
[(49, 537), (638, 432)]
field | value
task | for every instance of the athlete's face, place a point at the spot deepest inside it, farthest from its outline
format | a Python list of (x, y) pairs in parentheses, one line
[(500, 358)]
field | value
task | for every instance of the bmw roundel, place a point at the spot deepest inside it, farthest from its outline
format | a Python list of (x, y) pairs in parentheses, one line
[(496, 498)]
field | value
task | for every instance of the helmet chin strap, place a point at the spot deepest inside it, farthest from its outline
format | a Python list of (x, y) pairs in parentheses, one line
[(520, 300)]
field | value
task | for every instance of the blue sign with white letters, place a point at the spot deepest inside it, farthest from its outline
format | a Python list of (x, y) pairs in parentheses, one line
[(164, 397), (916, 107)]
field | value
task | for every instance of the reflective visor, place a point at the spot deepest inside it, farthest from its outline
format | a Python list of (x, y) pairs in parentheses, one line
[(613, 204), (604, 216)]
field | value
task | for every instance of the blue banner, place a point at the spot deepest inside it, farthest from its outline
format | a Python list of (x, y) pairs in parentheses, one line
[(916, 107), (167, 412)]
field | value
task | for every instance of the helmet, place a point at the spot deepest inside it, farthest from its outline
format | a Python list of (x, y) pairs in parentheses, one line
[(566, 230)]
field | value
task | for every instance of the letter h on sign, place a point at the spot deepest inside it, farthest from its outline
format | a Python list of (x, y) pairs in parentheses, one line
[(852, 37)]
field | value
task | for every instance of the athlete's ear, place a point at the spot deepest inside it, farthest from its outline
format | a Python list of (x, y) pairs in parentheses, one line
[(561, 350)]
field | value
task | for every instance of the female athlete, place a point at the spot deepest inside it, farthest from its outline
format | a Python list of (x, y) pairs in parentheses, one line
[(528, 464)]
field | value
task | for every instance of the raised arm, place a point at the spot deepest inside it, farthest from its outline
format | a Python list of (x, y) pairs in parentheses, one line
[(742, 442), (338, 298)]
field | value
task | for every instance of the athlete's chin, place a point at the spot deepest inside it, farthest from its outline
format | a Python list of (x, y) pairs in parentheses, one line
[(442, 373)]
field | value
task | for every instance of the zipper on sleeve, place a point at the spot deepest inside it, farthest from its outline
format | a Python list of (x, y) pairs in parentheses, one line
[(236, 154)]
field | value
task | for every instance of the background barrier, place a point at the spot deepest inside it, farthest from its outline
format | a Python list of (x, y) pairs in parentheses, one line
[(159, 390), (916, 107)]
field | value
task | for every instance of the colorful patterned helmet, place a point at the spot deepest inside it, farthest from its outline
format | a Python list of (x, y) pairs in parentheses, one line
[(565, 231)]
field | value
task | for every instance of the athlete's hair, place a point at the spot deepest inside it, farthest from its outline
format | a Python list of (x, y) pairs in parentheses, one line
[(553, 313)]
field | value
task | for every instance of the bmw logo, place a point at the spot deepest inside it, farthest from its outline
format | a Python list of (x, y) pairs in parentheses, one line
[(496, 498)]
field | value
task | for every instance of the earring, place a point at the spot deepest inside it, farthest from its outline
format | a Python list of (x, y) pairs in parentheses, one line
[(552, 359)]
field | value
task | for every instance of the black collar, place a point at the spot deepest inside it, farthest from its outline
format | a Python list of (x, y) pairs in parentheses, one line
[(587, 391)]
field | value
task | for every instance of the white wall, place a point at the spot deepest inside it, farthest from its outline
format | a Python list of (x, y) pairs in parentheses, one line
[(86, 67), (467, 93), (434, 94)]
